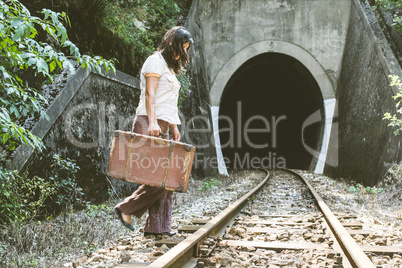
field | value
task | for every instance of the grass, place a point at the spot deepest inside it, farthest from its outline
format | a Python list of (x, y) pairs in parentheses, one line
[(60, 240), (56, 241)]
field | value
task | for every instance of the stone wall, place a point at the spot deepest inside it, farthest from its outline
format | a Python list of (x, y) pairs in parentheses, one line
[(83, 118), (367, 146)]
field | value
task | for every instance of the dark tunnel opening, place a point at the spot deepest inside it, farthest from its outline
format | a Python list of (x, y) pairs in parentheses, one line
[(262, 111)]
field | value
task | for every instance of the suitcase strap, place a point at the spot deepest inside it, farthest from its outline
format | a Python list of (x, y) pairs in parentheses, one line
[(165, 175), (128, 156)]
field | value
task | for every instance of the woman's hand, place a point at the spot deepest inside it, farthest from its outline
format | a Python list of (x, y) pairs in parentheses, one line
[(175, 132), (154, 129)]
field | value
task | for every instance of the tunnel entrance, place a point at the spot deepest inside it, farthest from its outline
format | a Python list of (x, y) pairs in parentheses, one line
[(262, 111)]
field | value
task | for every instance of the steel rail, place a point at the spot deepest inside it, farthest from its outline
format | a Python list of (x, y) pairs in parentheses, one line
[(353, 252), (188, 248)]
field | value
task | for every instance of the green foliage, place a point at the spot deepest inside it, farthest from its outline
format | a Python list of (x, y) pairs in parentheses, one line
[(140, 25), (209, 184), (185, 83), (101, 210), (93, 8), (142, 20), (11, 207), (395, 119), (63, 180), (3, 251), (126, 30), (23, 198), (19, 50), (390, 4), (395, 7), (359, 188)]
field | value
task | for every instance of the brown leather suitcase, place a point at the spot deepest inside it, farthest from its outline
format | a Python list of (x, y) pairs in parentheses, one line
[(150, 160)]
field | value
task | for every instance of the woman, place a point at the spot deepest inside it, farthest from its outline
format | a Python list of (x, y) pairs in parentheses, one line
[(156, 112)]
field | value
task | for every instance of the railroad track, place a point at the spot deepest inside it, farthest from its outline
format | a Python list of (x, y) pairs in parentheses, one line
[(281, 222)]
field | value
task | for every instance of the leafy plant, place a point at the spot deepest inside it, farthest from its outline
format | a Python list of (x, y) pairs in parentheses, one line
[(23, 198), (3, 250), (19, 50), (209, 184), (389, 3), (101, 210), (63, 181), (14, 204), (359, 188), (185, 83), (395, 120), (140, 25), (374, 190), (395, 6)]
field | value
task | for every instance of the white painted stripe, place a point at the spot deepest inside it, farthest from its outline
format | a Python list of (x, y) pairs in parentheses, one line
[(215, 126), (329, 108)]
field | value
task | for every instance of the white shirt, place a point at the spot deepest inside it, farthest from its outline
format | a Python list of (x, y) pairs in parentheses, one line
[(167, 91)]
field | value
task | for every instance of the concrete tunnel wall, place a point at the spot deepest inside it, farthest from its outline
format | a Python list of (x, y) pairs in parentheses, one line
[(311, 33), (366, 147), (325, 40)]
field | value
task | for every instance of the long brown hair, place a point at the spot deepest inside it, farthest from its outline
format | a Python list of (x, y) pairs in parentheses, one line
[(172, 46)]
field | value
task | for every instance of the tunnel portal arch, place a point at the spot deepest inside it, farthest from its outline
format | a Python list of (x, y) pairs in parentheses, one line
[(302, 55), (262, 98)]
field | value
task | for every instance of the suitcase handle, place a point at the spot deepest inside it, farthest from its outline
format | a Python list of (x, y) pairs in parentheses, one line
[(160, 134)]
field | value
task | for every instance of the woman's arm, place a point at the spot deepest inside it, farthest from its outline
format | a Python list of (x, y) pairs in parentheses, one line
[(150, 89)]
